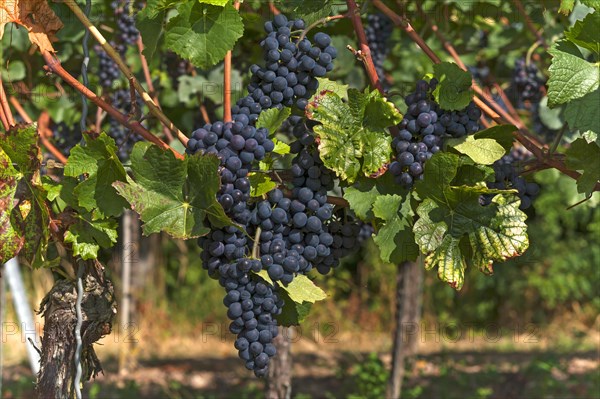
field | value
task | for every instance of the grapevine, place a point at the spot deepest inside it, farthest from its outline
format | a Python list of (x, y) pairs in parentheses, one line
[(319, 150)]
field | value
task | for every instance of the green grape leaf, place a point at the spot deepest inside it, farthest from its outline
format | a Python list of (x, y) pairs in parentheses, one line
[(453, 91), (566, 6), (585, 157), (585, 33), (502, 134), (395, 238), (292, 313), (220, 3), (453, 227), (309, 11), (302, 289), (149, 22), (595, 4), (298, 296), (281, 148), (353, 140), (571, 77), (24, 216), (172, 195), (364, 192), (14, 72), (329, 85), (88, 236), (582, 114), (203, 33), (99, 161), (483, 151), (260, 184), (271, 119), (551, 118)]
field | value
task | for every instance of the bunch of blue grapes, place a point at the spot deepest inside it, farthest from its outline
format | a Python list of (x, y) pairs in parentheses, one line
[(175, 67), (126, 34), (366, 231), (281, 234), (291, 67), (65, 137), (124, 138), (482, 74), (252, 304), (378, 31), (108, 71), (526, 83), (423, 129), (125, 12), (507, 176)]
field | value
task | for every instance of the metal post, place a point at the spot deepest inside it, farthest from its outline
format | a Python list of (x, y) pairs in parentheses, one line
[(24, 313)]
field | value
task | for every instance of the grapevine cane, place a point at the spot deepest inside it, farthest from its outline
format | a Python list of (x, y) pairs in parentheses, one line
[(7, 118), (15, 103), (154, 110), (354, 14), (55, 66)]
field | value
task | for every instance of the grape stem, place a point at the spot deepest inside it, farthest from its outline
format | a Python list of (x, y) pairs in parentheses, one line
[(498, 114), (148, 79), (114, 55), (256, 245), (54, 65), (5, 112), (321, 21), (273, 8)]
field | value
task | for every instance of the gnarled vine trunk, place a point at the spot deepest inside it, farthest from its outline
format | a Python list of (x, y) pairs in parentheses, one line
[(57, 369)]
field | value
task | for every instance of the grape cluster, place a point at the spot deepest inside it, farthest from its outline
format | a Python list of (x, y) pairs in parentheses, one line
[(526, 83), (482, 74), (125, 13), (290, 231), (126, 35), (175, 67), (65, 137), (507, 172), (124, 138), (290, 71), (366, 231), (252, 305), (378, 31), (424, 127), (108, 71)]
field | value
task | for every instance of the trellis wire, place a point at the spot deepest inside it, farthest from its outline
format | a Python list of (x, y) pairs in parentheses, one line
[(82, 124)]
